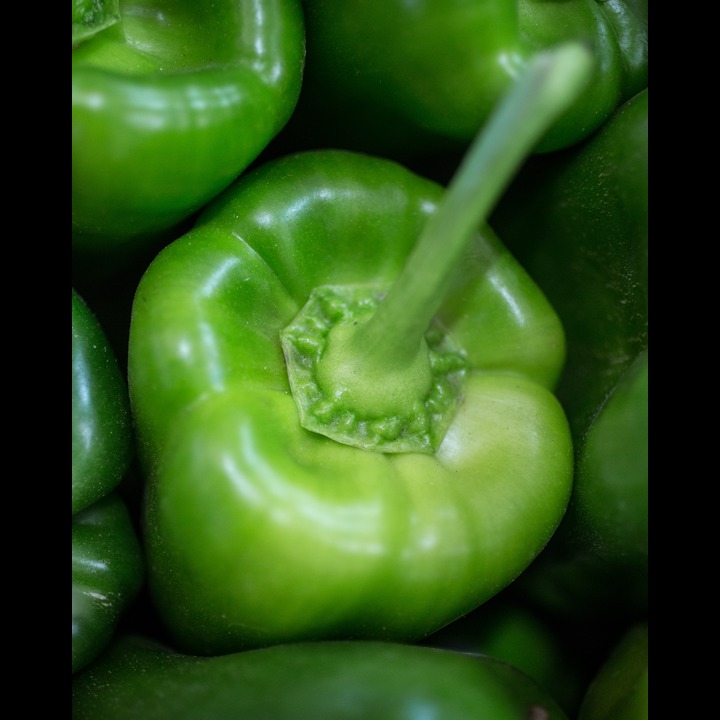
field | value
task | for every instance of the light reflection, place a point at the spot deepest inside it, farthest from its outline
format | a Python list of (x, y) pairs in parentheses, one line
[(350, 528), (511, 62), (218, 276), (510, 301)]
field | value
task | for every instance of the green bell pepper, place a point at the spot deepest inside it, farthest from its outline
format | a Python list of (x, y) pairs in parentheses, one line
[(138, 678), (102, 435), (518, 634), (107, 574), (406, 77), (169, 104), (342, 386), (578, 221), (619, 691), (107, 564)]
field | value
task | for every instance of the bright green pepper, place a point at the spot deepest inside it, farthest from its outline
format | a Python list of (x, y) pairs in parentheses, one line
[(169, 105), (107, 574), (138, 678), (619, 691), (578, 220), (443, 462), (102, 434), (407, 77)]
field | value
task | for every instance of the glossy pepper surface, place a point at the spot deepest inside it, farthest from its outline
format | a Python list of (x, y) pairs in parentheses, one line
[(107, 564), (170, 103), (325, 681), (260, 529), (107, 574), (102, 439), (404, 77), (578, 220)]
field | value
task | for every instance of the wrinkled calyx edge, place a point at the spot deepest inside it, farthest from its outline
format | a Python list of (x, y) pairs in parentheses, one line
[(91, 17), (417, 422)]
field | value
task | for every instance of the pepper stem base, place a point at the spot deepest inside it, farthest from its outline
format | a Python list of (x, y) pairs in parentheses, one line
[(346, 396)]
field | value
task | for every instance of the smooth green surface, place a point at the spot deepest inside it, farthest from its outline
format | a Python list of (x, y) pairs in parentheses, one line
[(578, 221), (168, 107), (259, 531), (323, 681), (107, 572), (409, 77), (102, 440)]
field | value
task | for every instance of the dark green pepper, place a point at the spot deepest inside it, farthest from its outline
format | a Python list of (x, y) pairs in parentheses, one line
[(514, 632), (407, 77), (107, 565), (107, 574), (138, 678), (170, 103), (578, 220), (102, 439), (341, 382), (620, 689)]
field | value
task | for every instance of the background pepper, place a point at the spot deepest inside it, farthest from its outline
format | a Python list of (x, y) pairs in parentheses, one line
[(619, 691), (325, 681), (516, 633), (107, 574), (169, 105), (102, 439), (107, 562), (411, 78), (578, 220)]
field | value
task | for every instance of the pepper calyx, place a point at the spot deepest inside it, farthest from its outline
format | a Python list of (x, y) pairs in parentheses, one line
[(91, 17), (398, 407)]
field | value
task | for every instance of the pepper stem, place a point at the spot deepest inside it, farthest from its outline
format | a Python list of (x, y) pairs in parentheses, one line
[(552, 81), (372, 371)]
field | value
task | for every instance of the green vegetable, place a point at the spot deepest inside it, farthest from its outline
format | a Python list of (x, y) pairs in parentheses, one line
[(578, 221), (410, 77), (517, 634), (102, 439), (170, 103), (412, 498), (107, 564), (620, 689), (107, 574), (324, 681)]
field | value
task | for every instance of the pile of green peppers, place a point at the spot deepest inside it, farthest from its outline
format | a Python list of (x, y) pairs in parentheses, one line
[(360, 359)]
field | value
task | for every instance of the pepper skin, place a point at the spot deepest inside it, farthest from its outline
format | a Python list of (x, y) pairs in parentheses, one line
[(579, 223), (107, 573), (169, 105), (324, 681), (514, 633), (258, 531), (408, 78), (107, 564), (619, 691), (102, 435)]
